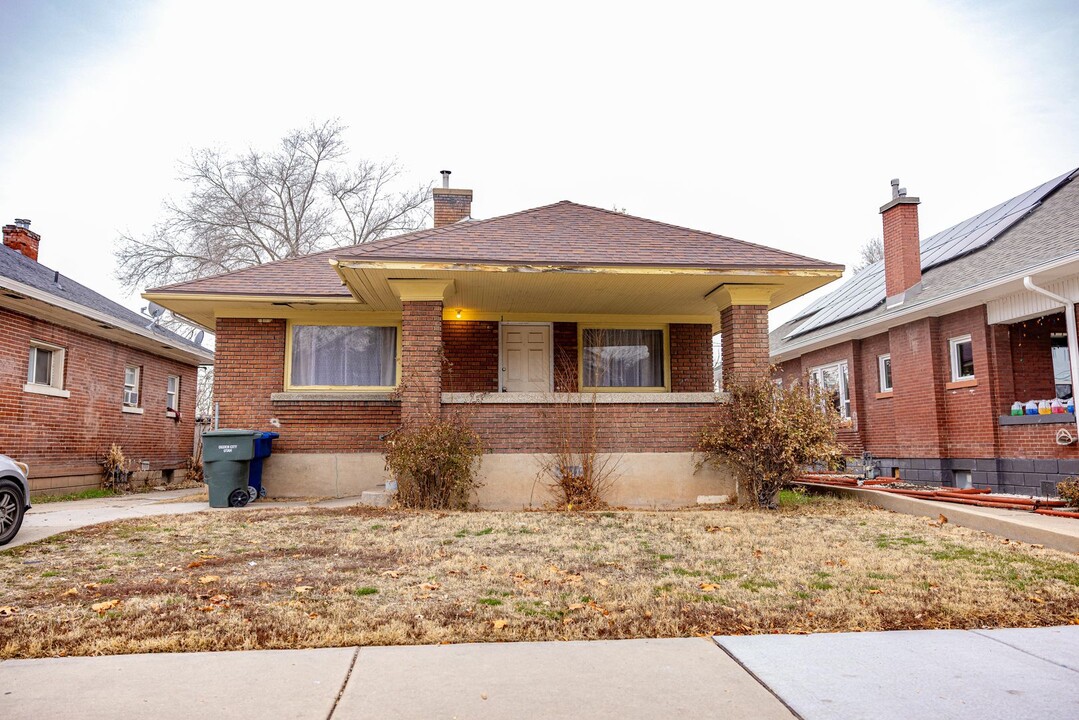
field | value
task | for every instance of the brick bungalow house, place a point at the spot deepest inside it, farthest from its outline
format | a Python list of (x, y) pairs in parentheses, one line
[(513, 316), (927, 350), (79, 372)]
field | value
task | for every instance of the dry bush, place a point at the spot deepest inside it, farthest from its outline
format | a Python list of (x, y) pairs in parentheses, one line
[(768, 434), (115, 469), (435, 463), (1068, 490), (576, 473)]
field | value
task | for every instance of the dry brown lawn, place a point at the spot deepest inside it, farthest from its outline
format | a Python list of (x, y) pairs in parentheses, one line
[(283, 578)]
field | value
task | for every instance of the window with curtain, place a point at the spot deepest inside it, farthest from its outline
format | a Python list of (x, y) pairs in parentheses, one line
[(344, 356), (618, 358)]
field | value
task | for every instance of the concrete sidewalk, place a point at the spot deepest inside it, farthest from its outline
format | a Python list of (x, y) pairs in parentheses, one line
[(46, 519), (922, 674)]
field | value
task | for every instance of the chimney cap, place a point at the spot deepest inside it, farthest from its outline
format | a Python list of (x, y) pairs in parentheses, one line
[(23, 223)]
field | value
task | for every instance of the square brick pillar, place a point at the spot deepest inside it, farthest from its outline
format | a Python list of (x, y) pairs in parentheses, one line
[(919, 359), (421, 348), (743, 324)]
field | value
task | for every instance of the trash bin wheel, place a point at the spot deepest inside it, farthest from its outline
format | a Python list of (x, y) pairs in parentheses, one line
[(252, 493), (262, 492), (239, 498)]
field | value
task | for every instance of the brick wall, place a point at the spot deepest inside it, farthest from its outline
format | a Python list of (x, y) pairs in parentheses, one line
[(970, 415), (691, 358), (451, 205), (850, 435), (421, 359), (744, 341), (471, 350), (250, 367), (876, 419), (902, 257), (69, 435), (529, 428)]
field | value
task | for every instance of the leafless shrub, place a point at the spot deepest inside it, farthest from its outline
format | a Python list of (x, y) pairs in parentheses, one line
[(116, 469), (767, 434), (435, 462), (1068, 489), (575, 472)]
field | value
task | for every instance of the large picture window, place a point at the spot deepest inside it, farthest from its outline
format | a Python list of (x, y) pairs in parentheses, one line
[(833, 381), (622, 358), (343, 356)]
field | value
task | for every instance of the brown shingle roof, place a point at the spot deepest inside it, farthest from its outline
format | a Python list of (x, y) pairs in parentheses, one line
[(563, 234)]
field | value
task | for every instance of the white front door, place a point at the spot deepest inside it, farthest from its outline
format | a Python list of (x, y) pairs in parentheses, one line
[(526, 358)]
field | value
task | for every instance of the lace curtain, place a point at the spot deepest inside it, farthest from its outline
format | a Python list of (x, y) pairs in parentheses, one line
[(622, 358), (344, 356)]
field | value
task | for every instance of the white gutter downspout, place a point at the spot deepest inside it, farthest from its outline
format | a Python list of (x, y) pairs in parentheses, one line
[(1073, 341)]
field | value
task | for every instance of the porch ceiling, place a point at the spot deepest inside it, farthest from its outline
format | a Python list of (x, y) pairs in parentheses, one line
[(478, 290)]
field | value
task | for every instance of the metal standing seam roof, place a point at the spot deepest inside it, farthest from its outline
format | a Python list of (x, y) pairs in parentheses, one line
[(562, 234), (866, 289), (19, 268)]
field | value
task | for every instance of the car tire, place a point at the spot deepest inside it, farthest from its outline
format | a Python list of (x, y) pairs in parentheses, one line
[(12, 508)]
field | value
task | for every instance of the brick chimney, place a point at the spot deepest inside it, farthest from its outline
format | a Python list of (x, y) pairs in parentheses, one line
[(20, 238), (451, 204), (902, 246)]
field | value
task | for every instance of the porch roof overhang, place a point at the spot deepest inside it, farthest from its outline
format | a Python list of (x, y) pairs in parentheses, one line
[(482, 291)]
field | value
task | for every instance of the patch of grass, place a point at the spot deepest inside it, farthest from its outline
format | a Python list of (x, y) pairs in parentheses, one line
[(572, 576), (49, 573), (89, 494), (378, 526), (797, 498)]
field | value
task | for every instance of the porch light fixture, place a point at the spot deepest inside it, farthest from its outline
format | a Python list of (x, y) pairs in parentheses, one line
[(458, 313)]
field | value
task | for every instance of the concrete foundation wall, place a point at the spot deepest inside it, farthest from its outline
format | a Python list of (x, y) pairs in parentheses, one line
[(510, 480)]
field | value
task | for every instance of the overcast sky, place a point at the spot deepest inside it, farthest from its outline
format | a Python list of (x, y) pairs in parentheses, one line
[(777, 125)]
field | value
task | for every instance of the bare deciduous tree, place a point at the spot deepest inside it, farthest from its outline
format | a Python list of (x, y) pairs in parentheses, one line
[(258, 206), (872, 251)]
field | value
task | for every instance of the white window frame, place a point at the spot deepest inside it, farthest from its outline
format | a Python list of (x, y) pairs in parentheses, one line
[(953, 354), (55, 386), (173, 408), (816, 376), (881, 361), (132, 405)]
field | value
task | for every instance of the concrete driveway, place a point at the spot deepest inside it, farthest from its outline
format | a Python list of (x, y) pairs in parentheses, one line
[(56, 517)]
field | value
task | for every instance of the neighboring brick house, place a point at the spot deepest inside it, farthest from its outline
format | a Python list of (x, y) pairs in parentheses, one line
[(927, 350), (511, 319), (79, 372)]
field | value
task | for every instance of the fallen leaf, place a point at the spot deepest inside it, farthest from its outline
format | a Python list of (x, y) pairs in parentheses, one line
[(718, 528), (218, 599), (207, 579), (8, 610), (302, 589), (432, 586), (576, 606), (941, 519), (392, 573), (499, 624), (708, 587), (1035, 599), (101, 607), (874, 591), (195, 564), (757, 554), (91, 585), (312, 615), (69, 592)]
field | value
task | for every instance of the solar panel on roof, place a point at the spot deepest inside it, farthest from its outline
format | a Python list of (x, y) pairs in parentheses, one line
[(865, 290)]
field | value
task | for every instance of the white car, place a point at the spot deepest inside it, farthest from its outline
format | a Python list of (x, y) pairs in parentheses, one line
[(14, 497)]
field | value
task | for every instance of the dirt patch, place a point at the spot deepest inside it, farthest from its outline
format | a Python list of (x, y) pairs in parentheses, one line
[(313, 577)]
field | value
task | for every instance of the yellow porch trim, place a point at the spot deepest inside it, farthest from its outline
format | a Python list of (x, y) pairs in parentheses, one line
[(730, 294), (417, 290)]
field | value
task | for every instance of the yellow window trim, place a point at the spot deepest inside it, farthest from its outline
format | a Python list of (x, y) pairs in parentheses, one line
[(289, 387), (581, 327)]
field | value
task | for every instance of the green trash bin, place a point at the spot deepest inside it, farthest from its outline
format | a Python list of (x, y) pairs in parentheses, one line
[(226, 461)]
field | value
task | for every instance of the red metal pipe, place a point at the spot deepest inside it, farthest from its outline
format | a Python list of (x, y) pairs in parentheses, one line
[(1057, 513)]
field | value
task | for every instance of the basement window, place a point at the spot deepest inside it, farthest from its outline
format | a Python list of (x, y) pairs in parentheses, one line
[(961, 350), (833, 382), (45, 370)]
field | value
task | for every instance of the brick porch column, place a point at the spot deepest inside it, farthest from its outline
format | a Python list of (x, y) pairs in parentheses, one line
[(743, 323), (421, 347)]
